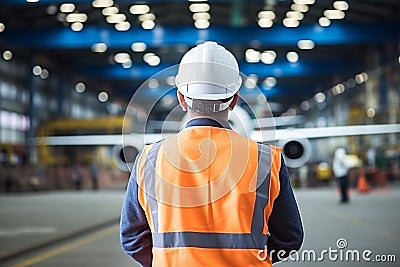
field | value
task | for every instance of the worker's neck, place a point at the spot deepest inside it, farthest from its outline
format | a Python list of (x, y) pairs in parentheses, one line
[(218, 116)]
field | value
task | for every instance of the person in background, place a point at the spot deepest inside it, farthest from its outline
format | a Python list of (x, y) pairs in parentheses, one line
[(341, 169)]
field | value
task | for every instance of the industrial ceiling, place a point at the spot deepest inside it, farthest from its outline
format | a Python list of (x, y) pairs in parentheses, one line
[(292, 49)]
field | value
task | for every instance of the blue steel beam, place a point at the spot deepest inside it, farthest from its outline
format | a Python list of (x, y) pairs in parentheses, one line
[(278, 69), (336, 34)]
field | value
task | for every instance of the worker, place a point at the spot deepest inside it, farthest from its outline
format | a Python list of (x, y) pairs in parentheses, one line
[(341, 167), (208, 196)]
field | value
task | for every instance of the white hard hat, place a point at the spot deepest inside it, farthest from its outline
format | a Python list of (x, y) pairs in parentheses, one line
[(209, 72)]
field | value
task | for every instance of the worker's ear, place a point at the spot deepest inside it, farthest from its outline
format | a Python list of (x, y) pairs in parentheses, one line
[(181, 99), (234, 101)]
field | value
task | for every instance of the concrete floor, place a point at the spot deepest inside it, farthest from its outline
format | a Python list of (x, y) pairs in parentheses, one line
[(369, 222)]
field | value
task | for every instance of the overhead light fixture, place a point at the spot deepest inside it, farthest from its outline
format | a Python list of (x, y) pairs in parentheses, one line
[(108, 11), (252, 55), (103, 96), (99, 47), (295, 15), (7, 55), (76, 26), (148, 16), (324, 22), (80, 87), (148, 24), (270, 82), (201, 16), (202, 24), (122, 57), (67, 8), (2, 27), (305, 105), (116, 18), (305, 44), (37, 70), (127, 64), (334, 14), (292, 57), (138, 47), (290, 22), (171, 80), (268, 57), (102, 3), (199, 7), (299, 7), (266, 14), (265, 23), (122, 26), (32, 1), (304, 2), (139, 9), (51, 9), (341, 5), (76, 17), (319, 97), (153, 60), (44, 74)]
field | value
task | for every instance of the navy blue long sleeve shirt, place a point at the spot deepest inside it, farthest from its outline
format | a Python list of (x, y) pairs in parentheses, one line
[(285, 226)]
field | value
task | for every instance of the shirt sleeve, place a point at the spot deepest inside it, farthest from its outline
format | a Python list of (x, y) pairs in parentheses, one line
[(285, 226), (135, 233)]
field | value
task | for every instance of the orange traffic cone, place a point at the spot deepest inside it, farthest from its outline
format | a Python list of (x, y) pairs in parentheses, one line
[(362, 184)]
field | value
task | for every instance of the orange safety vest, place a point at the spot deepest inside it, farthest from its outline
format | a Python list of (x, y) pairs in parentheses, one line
[(207, 193)]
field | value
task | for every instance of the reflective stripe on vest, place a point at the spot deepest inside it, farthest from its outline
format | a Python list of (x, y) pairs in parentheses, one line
[(256, 237)]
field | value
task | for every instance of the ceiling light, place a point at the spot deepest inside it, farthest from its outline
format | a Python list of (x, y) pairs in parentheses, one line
[(112, 10), (32, 1), (67, 7), (102, 3), (2, 27), (80, 87), (171, 80), (147, 56), (305, 105), (199, 7), (127, 64), (116, 18), (299, 7), (295, 15), (36, 70), (148, 16), (341, 5), (371, 113), (99, 47), (153, 83), (292, 57), (202, 24), (148, 24), (304, 2), (399, 59), (334, 14), (122, 57), (324, 22), (45, 74), (252, 56), (201, 15), (123, 26), (251, 81), (338, 89), (305, 44), (139, 9), (138, 47), (265, 23), (76, 17), (268, 56), (270, 82), (153, 60), (266, 14), (290, 22), (7, 55), (51, 10), (319, 97), (76, 26), (103, 96)]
